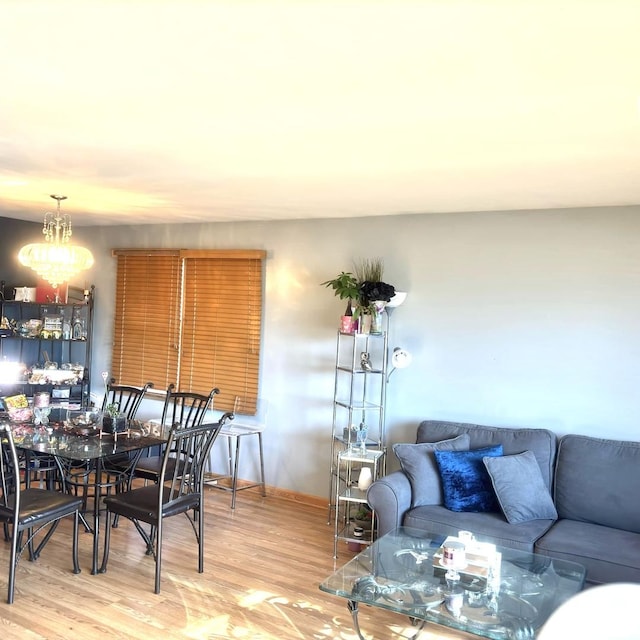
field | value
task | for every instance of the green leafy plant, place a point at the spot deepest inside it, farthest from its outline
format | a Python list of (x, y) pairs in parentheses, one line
[(362, 287), (345, 286), (113, 409), (363, 513)]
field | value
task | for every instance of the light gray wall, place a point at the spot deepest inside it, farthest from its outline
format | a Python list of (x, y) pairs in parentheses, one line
[(517, 318)]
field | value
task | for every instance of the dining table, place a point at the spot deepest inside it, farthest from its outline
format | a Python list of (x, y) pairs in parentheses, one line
[(77, 448)]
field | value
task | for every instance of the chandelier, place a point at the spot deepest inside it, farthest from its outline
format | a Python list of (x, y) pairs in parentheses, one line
[(56, 259)]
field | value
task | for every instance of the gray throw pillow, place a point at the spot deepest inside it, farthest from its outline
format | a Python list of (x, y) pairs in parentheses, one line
[(419, 463), (520, 489)]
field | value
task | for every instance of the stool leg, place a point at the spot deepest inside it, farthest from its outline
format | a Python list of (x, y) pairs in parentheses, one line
[(264, 489), (234, 480), (230, 456)]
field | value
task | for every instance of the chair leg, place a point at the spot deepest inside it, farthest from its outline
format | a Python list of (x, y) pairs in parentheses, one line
[(158, 554), (200, 537), (85, 524), (33, 553), (150, 539), (13, 561), (124, 484), (107, 539), (36, 553), (76, 526)]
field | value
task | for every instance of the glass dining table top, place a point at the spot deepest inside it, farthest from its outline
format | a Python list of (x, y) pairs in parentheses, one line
[(56, 440)]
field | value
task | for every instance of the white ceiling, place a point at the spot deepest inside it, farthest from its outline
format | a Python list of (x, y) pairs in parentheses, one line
[(184, 110)]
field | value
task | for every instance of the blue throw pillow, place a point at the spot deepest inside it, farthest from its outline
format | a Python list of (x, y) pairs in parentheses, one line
[(466, 484)]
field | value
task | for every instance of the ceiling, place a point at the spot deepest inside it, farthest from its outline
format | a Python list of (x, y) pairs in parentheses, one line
[(154, 111)]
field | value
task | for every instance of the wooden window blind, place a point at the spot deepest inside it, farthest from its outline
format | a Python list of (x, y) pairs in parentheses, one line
[(192, 317), (147, 319)]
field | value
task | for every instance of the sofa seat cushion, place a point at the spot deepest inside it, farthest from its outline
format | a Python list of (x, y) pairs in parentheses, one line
[(541, 442), (520, 489), (487, 527), (419, 463), (609, 555), (466, 484)]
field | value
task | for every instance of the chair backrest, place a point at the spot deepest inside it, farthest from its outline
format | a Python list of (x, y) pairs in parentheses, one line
[(256, 422), (128, 398), (186, 408), (9, 476), (184, 460)]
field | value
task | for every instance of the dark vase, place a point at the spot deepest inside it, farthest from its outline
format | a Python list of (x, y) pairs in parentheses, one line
[(116, 424)]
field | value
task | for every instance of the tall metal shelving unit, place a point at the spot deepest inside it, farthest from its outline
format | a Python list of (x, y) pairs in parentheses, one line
[(358, 401)]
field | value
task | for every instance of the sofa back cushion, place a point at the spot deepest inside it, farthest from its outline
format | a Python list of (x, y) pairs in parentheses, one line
[(520, 489), (541, 442), (598, 481), (419, 463)]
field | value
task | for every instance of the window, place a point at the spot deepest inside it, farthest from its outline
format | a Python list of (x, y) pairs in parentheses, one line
[(193, 318)]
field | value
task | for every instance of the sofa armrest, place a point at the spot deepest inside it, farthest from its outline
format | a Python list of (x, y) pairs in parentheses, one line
[(390, 498)]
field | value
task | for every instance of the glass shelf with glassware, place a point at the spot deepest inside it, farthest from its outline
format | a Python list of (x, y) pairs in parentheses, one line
[(41, 353), (356, 469)]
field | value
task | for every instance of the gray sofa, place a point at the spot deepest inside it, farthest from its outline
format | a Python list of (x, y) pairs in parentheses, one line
[(594, 484)]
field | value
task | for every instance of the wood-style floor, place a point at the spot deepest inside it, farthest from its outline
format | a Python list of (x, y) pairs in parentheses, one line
[(263, 565)]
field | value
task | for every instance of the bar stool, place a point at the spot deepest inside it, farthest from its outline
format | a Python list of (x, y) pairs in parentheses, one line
[(234, 432)]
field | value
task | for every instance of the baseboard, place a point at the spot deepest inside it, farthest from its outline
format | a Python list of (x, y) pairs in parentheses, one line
[(300, 498), (213, 479)]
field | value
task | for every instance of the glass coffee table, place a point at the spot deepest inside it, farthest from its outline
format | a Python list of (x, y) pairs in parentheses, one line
[(457, 581)]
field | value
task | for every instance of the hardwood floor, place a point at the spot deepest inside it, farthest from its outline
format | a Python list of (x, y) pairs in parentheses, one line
[(263, 565)]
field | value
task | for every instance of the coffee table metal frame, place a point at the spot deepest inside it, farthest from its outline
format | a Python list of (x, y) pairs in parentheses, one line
[(401, 572)]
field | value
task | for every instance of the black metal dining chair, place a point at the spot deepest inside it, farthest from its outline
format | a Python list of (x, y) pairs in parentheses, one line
[(31, 510), (127, 397), (179, 490), (184, 408), (116, 470)]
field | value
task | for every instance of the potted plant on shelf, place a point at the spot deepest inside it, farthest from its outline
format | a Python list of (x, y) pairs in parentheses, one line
[(346, 287), (366, 295), (364, 518), (112, 420)]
